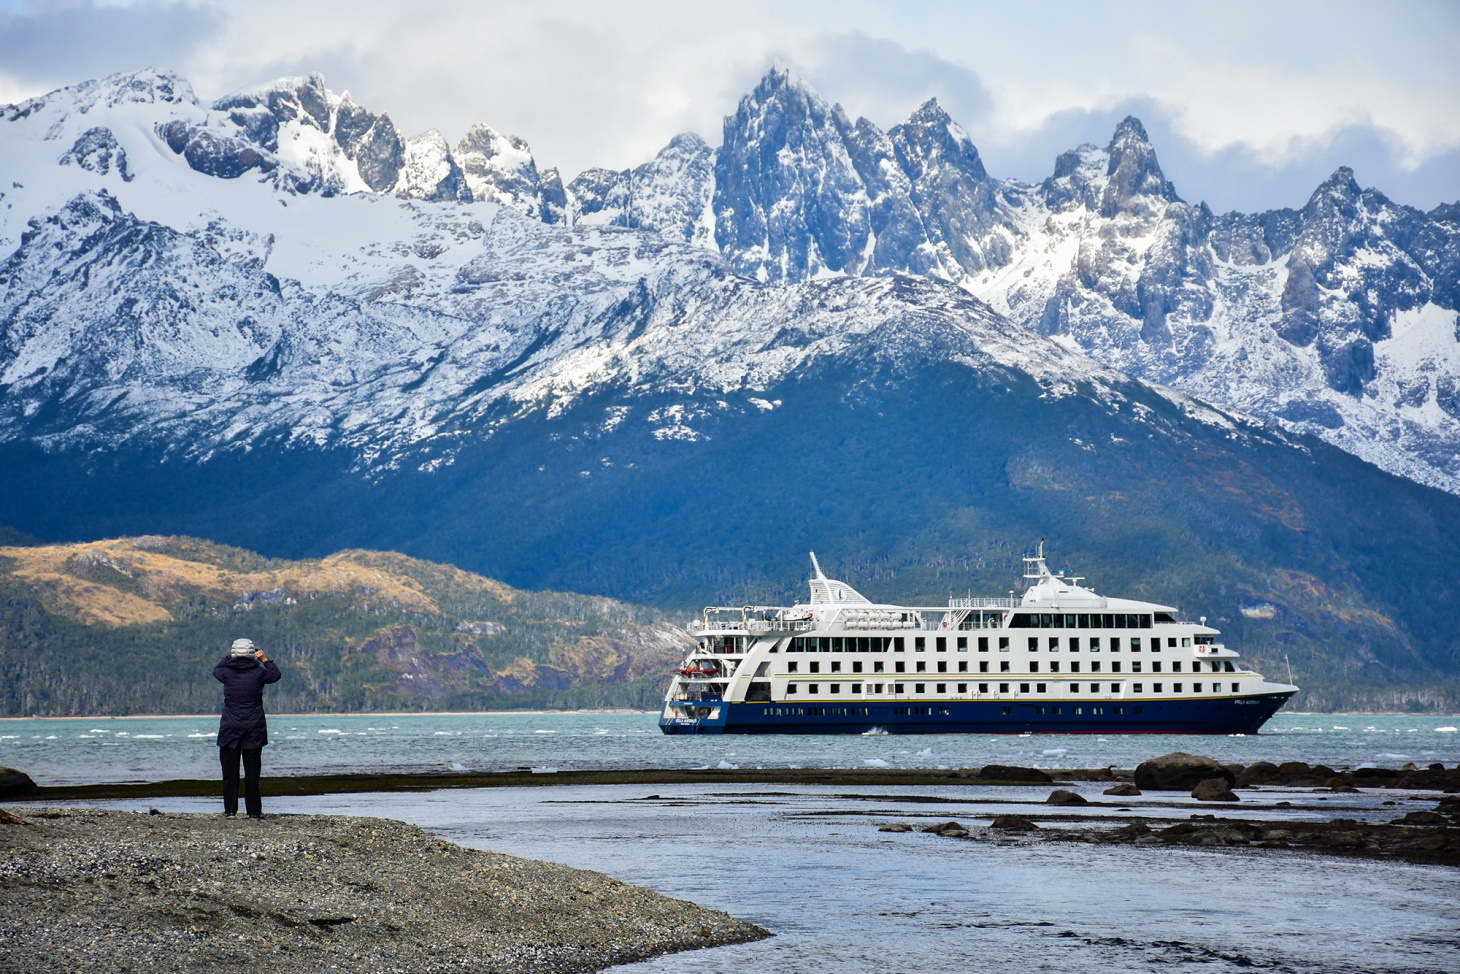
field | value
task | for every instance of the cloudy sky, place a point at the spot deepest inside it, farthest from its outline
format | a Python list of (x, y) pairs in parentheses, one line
[(1250, 105)]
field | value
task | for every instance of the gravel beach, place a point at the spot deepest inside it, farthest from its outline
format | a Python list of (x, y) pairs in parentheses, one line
[(107, 891)]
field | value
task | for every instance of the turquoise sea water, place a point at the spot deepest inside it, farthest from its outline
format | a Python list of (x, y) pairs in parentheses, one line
[(157, 748)]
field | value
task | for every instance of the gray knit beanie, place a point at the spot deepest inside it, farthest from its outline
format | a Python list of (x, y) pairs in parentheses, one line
[(243, 647)]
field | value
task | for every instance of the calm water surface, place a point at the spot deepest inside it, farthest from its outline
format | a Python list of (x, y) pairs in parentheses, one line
[(151, 749)]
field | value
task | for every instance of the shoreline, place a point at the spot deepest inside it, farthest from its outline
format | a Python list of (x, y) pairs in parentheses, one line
[(110, 891)]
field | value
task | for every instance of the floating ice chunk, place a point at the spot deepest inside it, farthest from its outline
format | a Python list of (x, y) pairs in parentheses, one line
[(332, 730), (875, 763), (1055, 752), (458, 766), (544, 770), (727, 766), (1446, 730), (1387, 756)]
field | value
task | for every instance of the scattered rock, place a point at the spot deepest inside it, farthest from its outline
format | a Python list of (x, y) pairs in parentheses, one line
[(1124, 790), (1421, 818), (1213, 790), (17, 784), (1260, 773), (896, 827), (1061, 797), (947, 828), (1179, 771), (1013, 823), (1004, 772)]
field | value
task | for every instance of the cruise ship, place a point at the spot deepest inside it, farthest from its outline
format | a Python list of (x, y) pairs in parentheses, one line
[(1061, 659)]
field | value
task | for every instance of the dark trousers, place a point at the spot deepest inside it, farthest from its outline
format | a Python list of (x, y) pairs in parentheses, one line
[(252, 764)]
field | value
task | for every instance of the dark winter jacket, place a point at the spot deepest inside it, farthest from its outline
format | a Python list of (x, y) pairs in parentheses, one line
[(243, 679)]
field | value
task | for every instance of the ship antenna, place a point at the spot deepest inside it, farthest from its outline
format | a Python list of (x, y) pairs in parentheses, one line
[(816, 565), (1290, 667)]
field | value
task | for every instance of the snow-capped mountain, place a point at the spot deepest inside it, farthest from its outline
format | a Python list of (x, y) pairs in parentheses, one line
[(1338, 319), (276, 322)]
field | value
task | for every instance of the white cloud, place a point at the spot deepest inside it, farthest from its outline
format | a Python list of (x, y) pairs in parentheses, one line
[(1274, 89)]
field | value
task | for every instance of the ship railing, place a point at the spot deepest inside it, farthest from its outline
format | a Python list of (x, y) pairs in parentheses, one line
[(751, 626), (1011, 602)]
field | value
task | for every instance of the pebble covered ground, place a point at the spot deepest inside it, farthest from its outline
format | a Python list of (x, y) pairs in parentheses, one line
[(106, 891)]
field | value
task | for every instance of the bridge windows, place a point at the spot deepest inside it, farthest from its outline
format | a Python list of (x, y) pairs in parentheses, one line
[(942, 643), (876, 666), (1054, 644), (920, 644), (983, 644), (815, 666), (791, 666), (836, 666), (1034, 644), (963, 644), (1082, 620), (1074, 644), (1003, 644), (1135, 644)]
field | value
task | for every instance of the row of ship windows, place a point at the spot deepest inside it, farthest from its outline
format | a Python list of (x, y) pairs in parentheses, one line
[(898, 644), (815, 688), (1081, 620), (920, 666)]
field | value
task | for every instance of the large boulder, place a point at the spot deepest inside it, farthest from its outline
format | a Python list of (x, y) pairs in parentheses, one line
[(1213, 790), (16, 784), (1123, 790), (1179, 771), (1061, 797), (1002, 772)]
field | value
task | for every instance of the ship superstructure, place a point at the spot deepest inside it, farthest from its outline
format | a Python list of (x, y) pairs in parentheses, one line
[(1059, 659)]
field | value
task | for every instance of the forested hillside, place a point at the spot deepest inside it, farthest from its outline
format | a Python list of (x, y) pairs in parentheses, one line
[(135, 626)]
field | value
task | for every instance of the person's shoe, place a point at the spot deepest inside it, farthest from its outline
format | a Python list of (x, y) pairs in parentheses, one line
[(230, 815), (259, 815)]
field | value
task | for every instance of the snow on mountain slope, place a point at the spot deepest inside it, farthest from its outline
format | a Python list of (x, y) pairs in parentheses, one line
[(1336, 320), (211, 313)]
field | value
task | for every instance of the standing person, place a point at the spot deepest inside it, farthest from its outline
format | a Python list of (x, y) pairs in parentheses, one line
[(243, 732)]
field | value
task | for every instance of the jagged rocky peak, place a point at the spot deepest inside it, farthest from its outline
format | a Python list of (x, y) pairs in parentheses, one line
[(668, 195), (930, 140), (500, 169), (1135, 177), (147, 87), (950, 188), (789, 204), (429, 171)]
